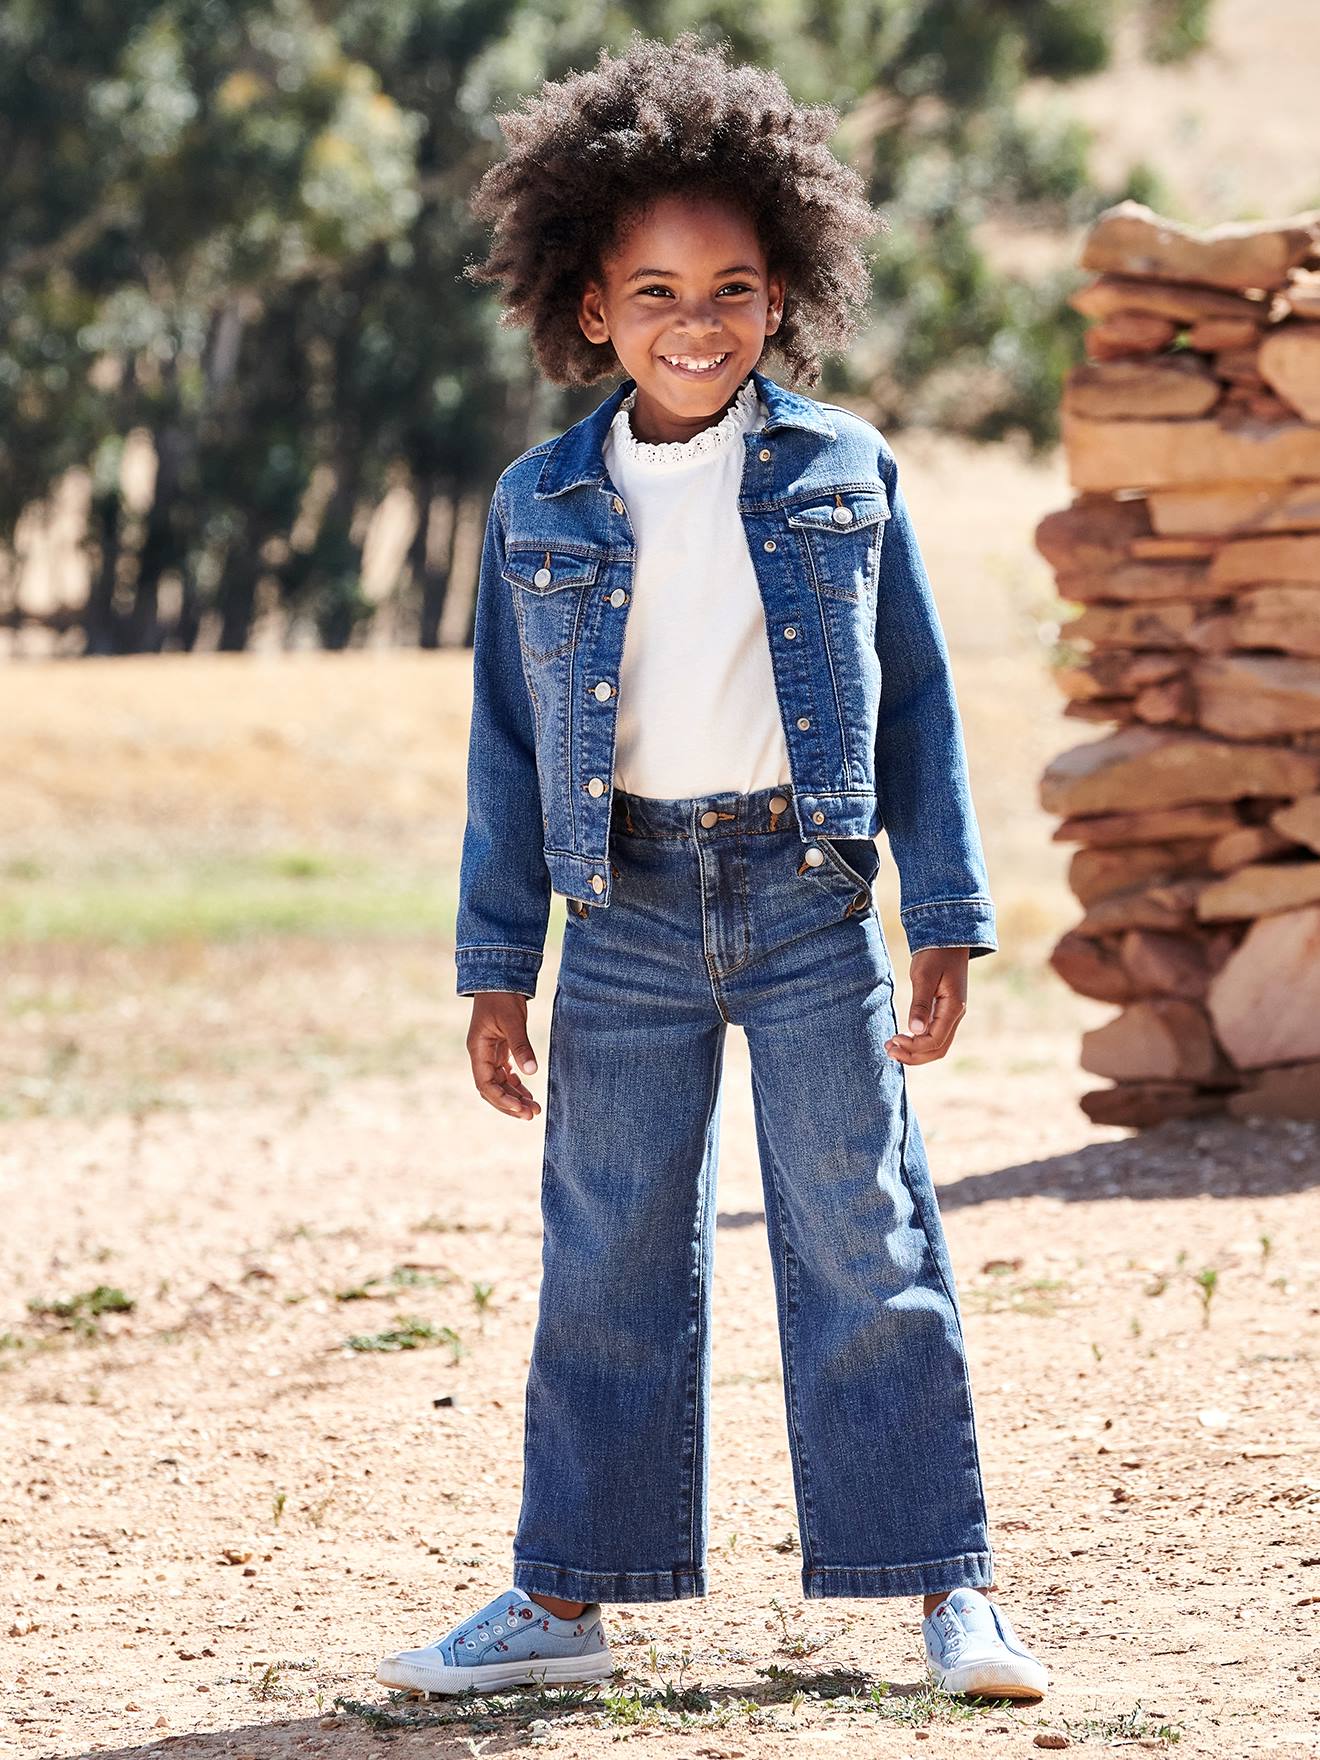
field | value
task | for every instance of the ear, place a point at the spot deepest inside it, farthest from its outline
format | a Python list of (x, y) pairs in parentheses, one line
[(591, 314), (776, 291)]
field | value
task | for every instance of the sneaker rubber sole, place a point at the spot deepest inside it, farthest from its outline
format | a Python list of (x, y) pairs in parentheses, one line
[(995, 1680), (441, 1680)]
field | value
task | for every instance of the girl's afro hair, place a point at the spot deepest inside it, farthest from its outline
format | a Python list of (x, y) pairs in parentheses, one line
[(593, 149)]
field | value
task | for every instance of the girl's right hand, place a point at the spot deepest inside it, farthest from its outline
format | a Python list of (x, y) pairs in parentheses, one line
[(497, 1038)]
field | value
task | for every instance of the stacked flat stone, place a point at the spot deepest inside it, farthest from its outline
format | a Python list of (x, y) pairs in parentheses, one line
[(1192, 548)]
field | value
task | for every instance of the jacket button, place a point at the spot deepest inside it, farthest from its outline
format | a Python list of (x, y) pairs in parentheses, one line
[(603, 690), (790, 631), (764, 455), (595, 786), (818, 818), (777, 803), (813, 857), (543, 577), (618, 596), (769, 544), (597, 883), (618, 505), (842, 516), (803, 722), (708, 819)]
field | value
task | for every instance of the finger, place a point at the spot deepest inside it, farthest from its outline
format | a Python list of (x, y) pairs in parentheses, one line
[(495, 1080)]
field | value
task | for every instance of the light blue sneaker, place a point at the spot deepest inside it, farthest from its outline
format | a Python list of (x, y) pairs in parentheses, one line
[(510, 1642), (971, 1647)]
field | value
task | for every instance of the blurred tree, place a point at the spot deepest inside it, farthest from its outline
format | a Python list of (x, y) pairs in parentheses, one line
[(239, 229)]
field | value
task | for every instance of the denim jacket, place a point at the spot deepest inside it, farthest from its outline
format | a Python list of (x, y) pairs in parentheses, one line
[(860, 664)]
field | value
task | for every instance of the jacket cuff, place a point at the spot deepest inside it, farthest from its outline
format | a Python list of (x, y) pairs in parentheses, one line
[(951, 922), (497, 968)]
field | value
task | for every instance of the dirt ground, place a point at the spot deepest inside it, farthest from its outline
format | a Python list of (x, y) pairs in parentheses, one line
[(222, 1515)]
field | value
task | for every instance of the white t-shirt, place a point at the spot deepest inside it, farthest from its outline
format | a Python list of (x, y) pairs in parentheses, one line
[(698, 713)]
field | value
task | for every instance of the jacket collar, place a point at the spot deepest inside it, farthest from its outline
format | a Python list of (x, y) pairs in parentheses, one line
[(577, 459)]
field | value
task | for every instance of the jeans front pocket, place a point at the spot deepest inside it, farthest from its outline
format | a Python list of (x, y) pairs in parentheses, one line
[(851, 863)]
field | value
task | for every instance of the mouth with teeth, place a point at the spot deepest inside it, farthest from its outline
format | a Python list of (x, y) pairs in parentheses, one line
[(695, 366)]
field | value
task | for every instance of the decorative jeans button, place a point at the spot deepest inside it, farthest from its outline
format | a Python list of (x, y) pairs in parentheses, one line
[(708, 819), (803, 722), (764, 455), (618, 505), (597, 883), (769, 544), (790, 631), (618, 596), (842, 516), (813, 857), (818, 818), (777, 803), (595, 786), (603, 690), (543, 577)]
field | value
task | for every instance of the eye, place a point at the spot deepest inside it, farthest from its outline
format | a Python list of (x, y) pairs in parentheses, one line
[(738, 286), (656, 289)]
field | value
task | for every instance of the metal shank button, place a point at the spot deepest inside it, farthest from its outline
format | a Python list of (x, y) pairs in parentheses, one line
[(618, 596), (597, 883), (708, 819), (842, 516), (790, 631), (818, 818), (777, 803), (764, 455), (618, 505), (595, 786), (803, 722), (603, 690), (769, 544), (814, 858), (543, 577)]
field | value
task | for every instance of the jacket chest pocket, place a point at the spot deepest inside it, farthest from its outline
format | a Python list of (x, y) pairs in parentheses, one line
[(840, 533), (547, 584)]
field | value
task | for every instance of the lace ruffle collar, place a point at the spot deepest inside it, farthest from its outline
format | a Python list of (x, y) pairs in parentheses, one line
[(740, 415)]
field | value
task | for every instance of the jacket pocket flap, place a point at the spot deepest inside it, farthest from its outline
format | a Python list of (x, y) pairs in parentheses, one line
[(547, 569), (841, 512)]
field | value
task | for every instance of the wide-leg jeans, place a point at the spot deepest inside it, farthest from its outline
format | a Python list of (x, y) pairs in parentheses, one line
[(718, 916)]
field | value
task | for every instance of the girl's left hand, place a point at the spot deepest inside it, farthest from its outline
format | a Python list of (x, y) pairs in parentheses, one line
[(939, 1001)]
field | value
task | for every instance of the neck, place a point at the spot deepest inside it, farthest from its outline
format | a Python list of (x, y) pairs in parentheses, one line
[(656, 425)]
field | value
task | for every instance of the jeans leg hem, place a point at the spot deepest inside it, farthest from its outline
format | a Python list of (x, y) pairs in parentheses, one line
[(973, 1570), (679, 1584)]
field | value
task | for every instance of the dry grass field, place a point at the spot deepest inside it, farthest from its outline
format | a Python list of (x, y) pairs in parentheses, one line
[(241, 1159)]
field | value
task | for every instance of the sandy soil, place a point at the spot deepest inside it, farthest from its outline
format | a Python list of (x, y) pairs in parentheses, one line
[(223, 1515)]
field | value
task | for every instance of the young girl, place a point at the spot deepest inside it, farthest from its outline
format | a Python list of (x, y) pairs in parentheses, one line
[(708, 669)]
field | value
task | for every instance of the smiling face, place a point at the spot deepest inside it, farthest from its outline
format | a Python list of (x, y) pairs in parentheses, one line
[(687, 300)]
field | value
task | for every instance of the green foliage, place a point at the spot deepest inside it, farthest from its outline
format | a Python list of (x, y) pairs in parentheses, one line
[(240, 232)]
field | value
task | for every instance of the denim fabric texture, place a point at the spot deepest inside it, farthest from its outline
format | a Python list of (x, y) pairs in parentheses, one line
[(859, 658), (716, 917)]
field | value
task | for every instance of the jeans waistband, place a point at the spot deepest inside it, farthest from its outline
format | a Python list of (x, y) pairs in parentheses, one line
[(704, 816)]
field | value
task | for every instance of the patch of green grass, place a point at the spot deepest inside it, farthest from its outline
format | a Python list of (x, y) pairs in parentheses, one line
[(1041, 1296), (81, 1313), (402, 1277), (1131, 1725), (408, 1334), (222, 899)]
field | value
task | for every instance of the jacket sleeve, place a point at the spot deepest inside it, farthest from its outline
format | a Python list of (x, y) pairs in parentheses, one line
[(920, 759), (503, 883)]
